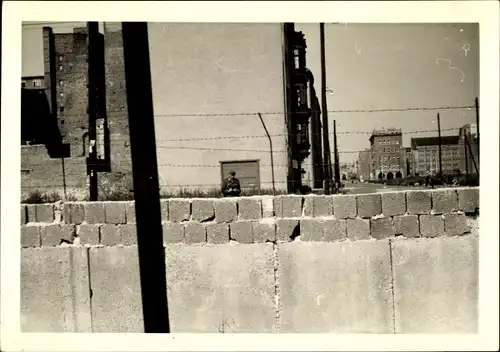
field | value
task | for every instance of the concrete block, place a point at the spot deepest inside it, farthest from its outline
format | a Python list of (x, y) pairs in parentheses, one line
[(311, 303), (278, 206), (382, 228), (54, 235), (431, 226), (55, 293), (173, 232), (116, 288), (225, 210), (358, 229), (407, 225), (179, 210), (249, 209), (418, 202), (44, 213), (77, 213), (164, 209), (436, 285), (291, 206), (308, 206), (267, 206), (66, 212), (393, 203), (345, 206), (444, 201), (217, 233), (203, 209), (335, 230), (30, 236), (263, 232), (115, 213), (110, 235), (468, 200), (369, 205), (130, 212), (220, 289), (31, 212), (456, 224), (24, 214), (58, 211), (194, 233), (312, 230), (285, 228), (128, 234), (241, 231), (88, 234), (94, 213), (322, 206)]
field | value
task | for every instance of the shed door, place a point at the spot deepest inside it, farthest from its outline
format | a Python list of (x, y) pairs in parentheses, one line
[(246, 171)]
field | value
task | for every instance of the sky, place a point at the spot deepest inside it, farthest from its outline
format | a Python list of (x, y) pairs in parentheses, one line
[(370, 66)]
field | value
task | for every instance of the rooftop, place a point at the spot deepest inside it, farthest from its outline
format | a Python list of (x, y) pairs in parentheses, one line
[(430, 141)]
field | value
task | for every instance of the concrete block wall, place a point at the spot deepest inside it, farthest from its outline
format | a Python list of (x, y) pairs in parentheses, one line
[(380, 263)]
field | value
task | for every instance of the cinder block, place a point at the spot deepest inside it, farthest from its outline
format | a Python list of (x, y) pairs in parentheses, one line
[(291, 206), (393, 203), (369, 205), (249, 209), (115, 212), (128, 234), (66, 212), (53, 235), (44, 213), (110, 235), (468, 200), (164, 209), (312, 230), (407, 225), (88, 234), (267, 206), (444, 201), (77, 213), (94, 213), (358, 229), (431, 226), (179, 210), (203, 209), (436, 285), (263, 232), (382, 228), (308, 206), (31, 211), (24, 214), (217, 233), (130, 212), (285, 228), (173, 232), (335, 230), (278, 206), (418, 202), (225, 210), (241, 231), (456, 224), (194, 233), (322, 206), (30, 236), (344, 206), (348, 290)]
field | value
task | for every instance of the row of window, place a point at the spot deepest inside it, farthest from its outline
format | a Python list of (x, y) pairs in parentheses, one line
[(390, 150), (386, 158), (388, 141)]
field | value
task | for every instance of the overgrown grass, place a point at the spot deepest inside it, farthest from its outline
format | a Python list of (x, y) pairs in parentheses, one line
[(215, 193), (37, 197)]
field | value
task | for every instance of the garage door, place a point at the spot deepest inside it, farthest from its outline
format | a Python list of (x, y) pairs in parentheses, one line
[(247, 171)]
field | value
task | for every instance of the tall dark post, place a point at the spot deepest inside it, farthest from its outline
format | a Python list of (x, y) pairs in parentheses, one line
[(477, 126), (466, 159), (324, 110), (145, 176), (440, 151), (93, 109), (336, 156)]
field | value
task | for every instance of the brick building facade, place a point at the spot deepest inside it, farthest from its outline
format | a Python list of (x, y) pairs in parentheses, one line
[(386, 160)]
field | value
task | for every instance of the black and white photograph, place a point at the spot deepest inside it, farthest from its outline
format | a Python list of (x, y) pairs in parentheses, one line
[(252, 177)]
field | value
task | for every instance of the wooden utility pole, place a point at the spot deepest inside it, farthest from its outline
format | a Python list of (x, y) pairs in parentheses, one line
[(324, 111), (145, 177), (93, 108), (440, 151)]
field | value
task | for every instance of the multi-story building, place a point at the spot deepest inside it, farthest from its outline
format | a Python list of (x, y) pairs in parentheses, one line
[(364, 165), (426, 154), (386, 161), (409, 162), (33, 82), (469, 149), (209, 81)]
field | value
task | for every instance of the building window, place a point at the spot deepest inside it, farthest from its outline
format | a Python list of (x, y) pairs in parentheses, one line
[(37, 83), (60, 68), (397, 142), (60, 58), (61, 82), (61, 109)]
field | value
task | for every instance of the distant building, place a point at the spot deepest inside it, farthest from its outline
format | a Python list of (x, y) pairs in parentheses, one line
[(409, 161), (33, 82), (386, 161), (426, 154), (364, 164), (468, 136)]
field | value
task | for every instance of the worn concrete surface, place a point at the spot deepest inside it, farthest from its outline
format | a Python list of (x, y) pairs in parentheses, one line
[(55, 290), (436, 285), (342, 287)]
